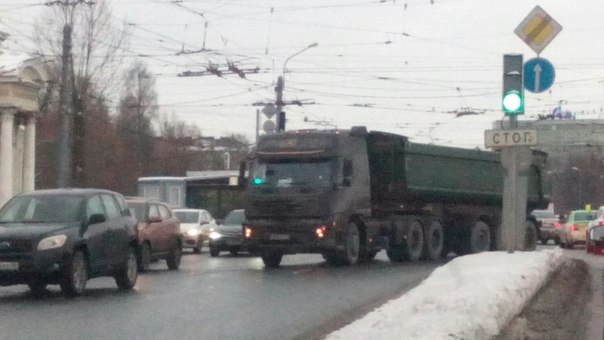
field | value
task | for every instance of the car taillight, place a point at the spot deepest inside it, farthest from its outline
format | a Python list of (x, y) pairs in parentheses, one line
[(247, 231), (557, 225), (601, 223), (320, 231), (573, 228)]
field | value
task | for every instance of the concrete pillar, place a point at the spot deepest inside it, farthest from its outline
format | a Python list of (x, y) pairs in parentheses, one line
[(18, 137), (29, 154), (6, 154)]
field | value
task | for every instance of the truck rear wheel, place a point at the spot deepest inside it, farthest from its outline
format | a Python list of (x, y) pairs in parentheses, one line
[(414, 242), (479, 239), (530, 242), (433, 240)]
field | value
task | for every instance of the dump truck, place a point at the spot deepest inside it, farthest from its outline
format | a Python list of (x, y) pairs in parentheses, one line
[(347, 194)]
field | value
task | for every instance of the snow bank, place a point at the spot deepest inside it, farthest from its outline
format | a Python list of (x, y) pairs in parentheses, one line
[(471, 297)]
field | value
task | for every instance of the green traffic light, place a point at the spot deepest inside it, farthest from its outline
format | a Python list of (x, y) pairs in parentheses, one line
[(257, 180), (512, 102)]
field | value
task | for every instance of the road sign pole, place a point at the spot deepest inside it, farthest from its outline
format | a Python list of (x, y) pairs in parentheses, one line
[(516, 161)]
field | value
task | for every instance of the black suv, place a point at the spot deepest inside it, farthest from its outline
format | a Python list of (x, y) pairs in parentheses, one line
[(65, 237)]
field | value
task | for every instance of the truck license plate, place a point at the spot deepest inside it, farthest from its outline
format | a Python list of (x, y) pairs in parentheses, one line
[(9, 265), (279, 237)]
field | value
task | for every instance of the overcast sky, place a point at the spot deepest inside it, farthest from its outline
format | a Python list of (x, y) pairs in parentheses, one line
[(398, 66)]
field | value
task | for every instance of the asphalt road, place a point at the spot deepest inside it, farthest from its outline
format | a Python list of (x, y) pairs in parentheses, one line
[(213, 298)]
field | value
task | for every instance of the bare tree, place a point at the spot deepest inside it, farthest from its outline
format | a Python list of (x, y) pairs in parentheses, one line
[(137, 109), (95, 59)]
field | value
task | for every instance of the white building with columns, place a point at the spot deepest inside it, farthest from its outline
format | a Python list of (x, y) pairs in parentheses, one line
[(21, 82)]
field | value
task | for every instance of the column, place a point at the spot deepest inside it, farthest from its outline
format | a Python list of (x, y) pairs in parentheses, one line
[(29, 154), (6, 154), (18, 137)]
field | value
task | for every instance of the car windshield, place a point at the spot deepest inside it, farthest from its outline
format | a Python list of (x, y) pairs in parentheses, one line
[(235, 217), (42, 209), (137, 210), (287, 174), (187, 216)]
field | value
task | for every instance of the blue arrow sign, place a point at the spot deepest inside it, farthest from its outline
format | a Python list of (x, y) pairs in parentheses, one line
[(539, 75)]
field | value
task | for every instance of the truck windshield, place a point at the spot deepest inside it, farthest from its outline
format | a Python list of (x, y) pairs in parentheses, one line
[(292, 173)]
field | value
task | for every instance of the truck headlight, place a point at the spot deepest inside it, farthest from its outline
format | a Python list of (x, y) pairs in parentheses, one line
[(214, 235), (193, 232), (52, 242)]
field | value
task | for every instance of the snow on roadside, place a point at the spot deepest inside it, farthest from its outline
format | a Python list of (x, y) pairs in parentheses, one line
[(471, 297)]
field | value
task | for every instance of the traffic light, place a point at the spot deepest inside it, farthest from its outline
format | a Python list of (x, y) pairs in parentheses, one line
[(512, 100)]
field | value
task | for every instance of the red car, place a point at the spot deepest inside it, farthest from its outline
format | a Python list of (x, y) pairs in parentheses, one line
[(595, 240), (159, 234)]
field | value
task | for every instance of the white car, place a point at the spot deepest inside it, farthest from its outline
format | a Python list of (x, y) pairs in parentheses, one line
[(195, 227), (599, 220)]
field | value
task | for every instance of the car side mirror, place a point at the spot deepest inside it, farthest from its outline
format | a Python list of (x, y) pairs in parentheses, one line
[(96, 218)]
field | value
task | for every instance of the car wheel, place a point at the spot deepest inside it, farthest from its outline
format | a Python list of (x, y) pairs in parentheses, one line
[(272, 260), (126, 275), (173, 259), (214, 251), (570, 245), (557, 241), (75, 275), (234, 252), (145, 258), (37, 288)]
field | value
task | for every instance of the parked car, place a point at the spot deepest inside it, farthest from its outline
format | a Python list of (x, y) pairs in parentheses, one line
[(575, 228), (66, 237), (550, 225), (228, 236), (159, 234), (195, 227)]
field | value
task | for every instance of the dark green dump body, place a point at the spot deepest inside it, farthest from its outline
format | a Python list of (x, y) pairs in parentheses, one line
[(418, 174)]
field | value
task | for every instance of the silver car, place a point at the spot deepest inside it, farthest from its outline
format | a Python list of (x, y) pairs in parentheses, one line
[(195, 227)]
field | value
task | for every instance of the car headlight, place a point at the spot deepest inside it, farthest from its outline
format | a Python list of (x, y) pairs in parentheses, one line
[(52, 242), (193, 232), (214, 235)]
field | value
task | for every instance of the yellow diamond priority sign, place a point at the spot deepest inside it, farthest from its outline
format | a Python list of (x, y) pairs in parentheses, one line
[(538, 29)]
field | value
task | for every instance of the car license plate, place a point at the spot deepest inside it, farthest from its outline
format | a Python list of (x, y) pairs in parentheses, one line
[(9, 265), (279, 237)]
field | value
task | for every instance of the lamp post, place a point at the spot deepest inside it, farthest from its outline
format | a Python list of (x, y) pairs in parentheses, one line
[(279, 89)]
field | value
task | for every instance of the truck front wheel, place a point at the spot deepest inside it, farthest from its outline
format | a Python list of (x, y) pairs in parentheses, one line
[(272, 260), (353, 244)]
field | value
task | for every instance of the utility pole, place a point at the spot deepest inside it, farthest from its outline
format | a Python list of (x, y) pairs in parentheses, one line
[(64, 159), (279, 105)]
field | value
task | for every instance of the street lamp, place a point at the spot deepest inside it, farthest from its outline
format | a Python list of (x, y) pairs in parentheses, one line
[(279, 90)]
